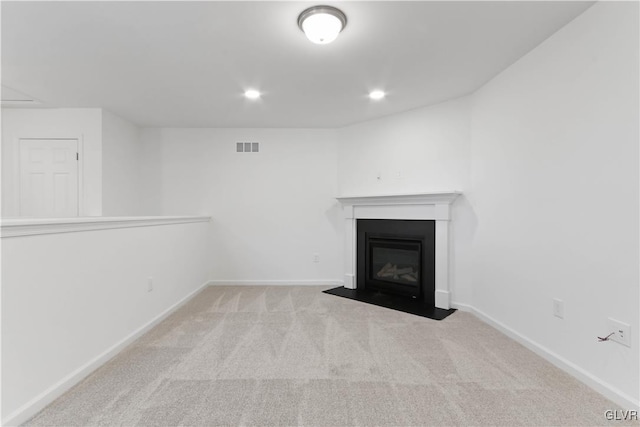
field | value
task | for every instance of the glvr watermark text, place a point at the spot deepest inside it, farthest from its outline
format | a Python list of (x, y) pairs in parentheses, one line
[(621, 415)]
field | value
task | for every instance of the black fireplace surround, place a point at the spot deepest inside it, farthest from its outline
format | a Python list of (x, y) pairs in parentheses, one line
[(397, 257)]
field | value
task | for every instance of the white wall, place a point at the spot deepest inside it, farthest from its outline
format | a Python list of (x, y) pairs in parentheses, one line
[(271, 210), (122, 155), (82, 123), (58, 318), (427, 149), (150, 169), (555, 190), (420, 150)]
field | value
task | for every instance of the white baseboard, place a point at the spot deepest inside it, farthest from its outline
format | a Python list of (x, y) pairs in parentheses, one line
[(31, 408), (607, 390), (328, 282), (442, 299), (350, 281)]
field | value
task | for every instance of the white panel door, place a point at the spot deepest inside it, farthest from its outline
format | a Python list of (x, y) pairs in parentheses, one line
[(48, 177)]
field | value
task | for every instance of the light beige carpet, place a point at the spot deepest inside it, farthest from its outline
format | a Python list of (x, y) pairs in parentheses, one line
[(267, 356)]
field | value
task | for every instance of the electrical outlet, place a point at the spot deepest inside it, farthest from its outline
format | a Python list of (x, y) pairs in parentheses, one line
[(558, 308), (621, 332), (316, 257), (150, 284)]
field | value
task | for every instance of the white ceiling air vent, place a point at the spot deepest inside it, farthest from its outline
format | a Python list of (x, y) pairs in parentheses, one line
[(247, 147), (11, 97)]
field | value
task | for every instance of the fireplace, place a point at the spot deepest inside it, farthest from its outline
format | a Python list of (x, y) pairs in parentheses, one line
[(413, 225), (397, 257), (435, 207)]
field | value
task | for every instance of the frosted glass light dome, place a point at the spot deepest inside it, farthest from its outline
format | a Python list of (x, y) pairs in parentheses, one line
[(322, 24)]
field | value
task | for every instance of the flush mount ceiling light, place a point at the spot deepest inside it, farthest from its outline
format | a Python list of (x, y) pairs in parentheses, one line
[(251, 94), (377, 95), (322, 24)]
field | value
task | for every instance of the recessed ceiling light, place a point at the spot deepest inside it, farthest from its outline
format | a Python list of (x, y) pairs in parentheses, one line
[(251, 94), (322, 24), (376, 95)]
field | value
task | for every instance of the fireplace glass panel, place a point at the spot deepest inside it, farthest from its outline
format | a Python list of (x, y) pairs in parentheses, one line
[(395, 261)]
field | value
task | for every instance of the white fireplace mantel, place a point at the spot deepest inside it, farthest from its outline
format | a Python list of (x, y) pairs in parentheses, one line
[(418, 206)]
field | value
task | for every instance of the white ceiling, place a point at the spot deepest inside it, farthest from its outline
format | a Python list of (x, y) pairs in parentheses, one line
[(186, 64)]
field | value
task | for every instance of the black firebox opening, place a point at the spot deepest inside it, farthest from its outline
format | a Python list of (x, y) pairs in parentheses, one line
[(394, 265), (397, 257)]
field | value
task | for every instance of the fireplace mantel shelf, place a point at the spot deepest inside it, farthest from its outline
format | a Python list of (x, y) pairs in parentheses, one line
[(438, 197)]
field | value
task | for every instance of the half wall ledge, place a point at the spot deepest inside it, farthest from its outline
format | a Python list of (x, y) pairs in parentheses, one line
[(19, 227)]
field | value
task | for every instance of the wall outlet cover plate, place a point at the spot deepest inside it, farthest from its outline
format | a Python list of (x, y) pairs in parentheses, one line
[(621, 332)]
